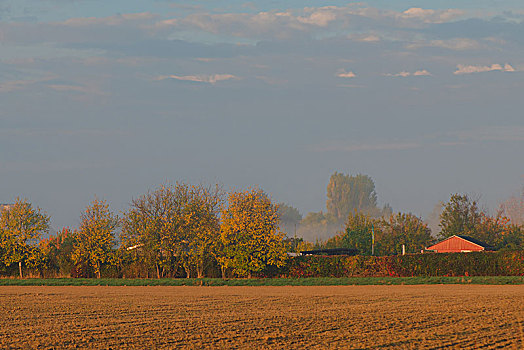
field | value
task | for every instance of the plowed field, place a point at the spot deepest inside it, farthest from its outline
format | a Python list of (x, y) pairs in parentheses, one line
[(364, 317)]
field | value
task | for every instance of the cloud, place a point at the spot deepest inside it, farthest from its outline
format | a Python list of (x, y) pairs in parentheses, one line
[(431, 16), (364, 38), (469, 69), (77, 88), (308, 21), (343, 74), (20, 84), (109, 21), (404, 74), (457, 44), (201, 78)]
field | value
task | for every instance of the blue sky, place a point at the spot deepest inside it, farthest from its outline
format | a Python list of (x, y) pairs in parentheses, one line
[(113, 98)]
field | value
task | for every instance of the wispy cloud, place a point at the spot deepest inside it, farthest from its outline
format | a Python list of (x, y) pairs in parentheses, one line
[(404, 74), (457, 44), (201, 78), (431, 16), (306, 21), (469, 69)]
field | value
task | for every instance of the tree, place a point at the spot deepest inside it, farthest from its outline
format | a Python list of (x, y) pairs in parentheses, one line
[(460, 216), (58, 251), (358, 232), (289, 217), (21, 226), (403, 229), (250, 234), (175, 225), (153, 225), (492, 230), (96, 236), (349, 193), (513, 209), (202, 227)]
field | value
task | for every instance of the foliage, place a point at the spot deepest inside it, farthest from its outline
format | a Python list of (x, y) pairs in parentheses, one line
[(513, 238), (96, 237), (509, 263), (58, 250), (390, 233), (174, 225), (288, 215), (297, 245), (358, 232), (460, 216), (250, 237), (202, 228), (402, 229), (347, 193), (21, 227)]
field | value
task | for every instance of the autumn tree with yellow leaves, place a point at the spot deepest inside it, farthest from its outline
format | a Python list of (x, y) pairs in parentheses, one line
[(21, 227), (250, 237), (96, 237)]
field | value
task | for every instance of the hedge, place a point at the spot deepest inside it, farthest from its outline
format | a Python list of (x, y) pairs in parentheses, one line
[(412, 265)]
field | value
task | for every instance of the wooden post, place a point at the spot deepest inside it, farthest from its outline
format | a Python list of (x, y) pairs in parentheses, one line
[(20, 269), (403, 249)]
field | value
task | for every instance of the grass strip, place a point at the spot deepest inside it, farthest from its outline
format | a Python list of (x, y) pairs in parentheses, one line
[(323, 281)]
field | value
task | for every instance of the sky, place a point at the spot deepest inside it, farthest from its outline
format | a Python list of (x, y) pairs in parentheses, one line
[(113, 98)]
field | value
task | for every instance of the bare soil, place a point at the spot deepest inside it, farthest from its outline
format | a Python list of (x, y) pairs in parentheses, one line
[(349, 317)]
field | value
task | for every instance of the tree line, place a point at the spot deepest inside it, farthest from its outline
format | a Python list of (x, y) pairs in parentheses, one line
[(192, 230), (185, 230)]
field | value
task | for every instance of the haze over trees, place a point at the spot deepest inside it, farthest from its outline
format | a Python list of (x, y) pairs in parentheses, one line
[(345, 194), (185, 230)]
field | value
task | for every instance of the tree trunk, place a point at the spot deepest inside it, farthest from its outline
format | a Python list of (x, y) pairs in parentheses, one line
[(157, 271), (223, 270), (20, 269), (98, 269), (200, 269)]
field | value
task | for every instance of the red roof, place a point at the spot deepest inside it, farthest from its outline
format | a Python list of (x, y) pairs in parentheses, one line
[(459, 244)]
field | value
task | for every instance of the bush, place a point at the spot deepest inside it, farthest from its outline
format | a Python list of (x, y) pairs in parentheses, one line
[(413, 265)]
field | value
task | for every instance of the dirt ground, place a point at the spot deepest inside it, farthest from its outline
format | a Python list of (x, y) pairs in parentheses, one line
[(363, 317)]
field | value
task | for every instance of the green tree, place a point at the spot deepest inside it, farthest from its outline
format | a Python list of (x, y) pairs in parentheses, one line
[(358, 232), (96, 237), (403, 229), (460, 216), (250, 234), (347, 193), (21, 227)]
